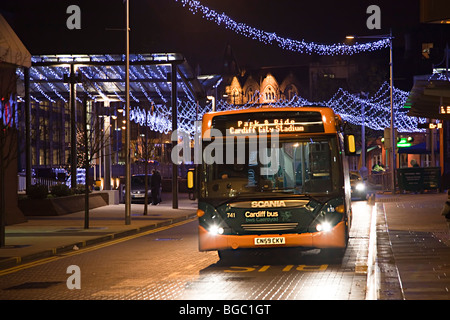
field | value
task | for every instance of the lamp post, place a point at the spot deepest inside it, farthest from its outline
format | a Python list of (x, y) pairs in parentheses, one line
[(393, 141), (392, 161), (127, 118)]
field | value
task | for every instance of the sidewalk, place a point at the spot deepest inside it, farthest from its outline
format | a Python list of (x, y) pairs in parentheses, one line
[(413, 247), (42, 237)]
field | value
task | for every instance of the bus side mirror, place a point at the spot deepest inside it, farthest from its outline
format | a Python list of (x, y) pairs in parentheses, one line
[(191, 183), (349, 144)]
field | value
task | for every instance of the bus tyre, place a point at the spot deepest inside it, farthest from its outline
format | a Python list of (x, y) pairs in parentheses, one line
[(228, 254), (225, 254)]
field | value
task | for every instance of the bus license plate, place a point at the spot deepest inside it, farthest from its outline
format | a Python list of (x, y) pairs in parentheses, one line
[(269, 241)]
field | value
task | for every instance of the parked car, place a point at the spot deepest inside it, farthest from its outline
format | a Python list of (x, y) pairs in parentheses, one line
[(359, 186), (138, 187)]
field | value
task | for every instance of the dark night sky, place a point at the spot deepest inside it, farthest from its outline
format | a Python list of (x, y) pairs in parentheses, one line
[(165, 26)]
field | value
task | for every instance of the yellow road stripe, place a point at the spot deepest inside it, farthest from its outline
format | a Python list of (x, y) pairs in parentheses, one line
[(90, 248)]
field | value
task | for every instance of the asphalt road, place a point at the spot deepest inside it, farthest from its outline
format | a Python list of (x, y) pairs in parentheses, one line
[(166, 265)]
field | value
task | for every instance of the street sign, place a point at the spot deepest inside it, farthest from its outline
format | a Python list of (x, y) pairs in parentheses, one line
[(430, 125), (444, 109)]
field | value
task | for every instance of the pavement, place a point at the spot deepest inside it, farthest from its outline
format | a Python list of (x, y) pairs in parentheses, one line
[(413, 247), (413, 239), (46, 236)]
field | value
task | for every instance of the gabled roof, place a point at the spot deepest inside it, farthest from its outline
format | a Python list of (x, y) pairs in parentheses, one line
[(12, 49)]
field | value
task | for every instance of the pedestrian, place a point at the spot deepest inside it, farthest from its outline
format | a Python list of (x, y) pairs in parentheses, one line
[(446, 209), (378, 167), (414, 163), (156, 187)]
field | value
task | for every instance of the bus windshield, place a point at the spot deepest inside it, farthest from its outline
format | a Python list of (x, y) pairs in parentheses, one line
[(302, 166)]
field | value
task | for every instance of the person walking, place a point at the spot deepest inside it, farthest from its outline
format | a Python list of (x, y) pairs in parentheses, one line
[(156, 187)]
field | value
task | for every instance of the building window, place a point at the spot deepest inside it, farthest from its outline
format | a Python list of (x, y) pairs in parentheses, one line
[(291, 92), (250, 95), (269, 94), (235, 96)]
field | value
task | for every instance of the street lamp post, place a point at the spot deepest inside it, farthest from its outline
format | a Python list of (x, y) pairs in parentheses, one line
[(393, 142), (127, 117), (392, 161)]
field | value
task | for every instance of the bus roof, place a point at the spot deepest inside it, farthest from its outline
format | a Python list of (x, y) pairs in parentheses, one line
[(329, 120)]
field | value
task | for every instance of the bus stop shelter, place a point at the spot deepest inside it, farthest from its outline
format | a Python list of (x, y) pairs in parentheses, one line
[(164, 81)]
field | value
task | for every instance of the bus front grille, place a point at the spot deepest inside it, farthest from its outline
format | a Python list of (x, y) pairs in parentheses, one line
[(269, 226)]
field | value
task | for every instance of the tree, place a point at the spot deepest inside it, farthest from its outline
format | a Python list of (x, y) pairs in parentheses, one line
[(91, 138)]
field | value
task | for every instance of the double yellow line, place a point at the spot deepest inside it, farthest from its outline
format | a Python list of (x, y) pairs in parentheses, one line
[(90, 248)]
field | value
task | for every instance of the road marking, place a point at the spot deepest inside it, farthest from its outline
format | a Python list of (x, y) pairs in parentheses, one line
[(304, 267), (264, 268), (90, 248), (288, 267), (28, 265), (300, 267), (240, 269)]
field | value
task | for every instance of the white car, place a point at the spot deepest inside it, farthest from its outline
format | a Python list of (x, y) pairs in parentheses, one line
[(359, 186)]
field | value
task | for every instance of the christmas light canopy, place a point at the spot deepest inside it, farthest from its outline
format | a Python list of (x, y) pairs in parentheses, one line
[(149, 86)]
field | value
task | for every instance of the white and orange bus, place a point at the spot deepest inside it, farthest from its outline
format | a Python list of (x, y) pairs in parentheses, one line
[(298, 195)]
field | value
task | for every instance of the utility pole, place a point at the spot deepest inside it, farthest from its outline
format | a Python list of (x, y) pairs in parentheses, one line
[(127, 117), (174, 129), (393, 141), (86, 163)]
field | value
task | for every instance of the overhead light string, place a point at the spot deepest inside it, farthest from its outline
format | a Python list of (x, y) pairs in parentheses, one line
[(300, 46)]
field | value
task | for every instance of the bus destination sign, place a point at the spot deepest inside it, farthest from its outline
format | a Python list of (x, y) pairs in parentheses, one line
[(270, 122), (268, 126)]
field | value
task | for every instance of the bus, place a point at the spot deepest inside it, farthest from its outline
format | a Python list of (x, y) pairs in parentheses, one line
[(297, 195)]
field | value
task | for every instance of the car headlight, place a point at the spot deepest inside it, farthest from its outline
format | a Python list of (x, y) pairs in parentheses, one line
[(360, 186)]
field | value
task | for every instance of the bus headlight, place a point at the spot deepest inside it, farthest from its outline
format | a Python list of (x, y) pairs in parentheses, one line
[(324, 226), (330, 214), (215, 230)]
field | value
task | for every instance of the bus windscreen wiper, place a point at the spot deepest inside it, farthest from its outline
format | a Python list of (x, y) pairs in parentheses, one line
[(278, 189)]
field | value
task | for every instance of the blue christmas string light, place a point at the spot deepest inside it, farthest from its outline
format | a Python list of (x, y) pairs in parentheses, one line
[(376, 111), (265, 37), (438, 76), (348, 106), (376, 107)]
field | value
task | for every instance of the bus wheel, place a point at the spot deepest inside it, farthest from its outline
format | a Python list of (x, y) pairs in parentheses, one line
[(228, 254)]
